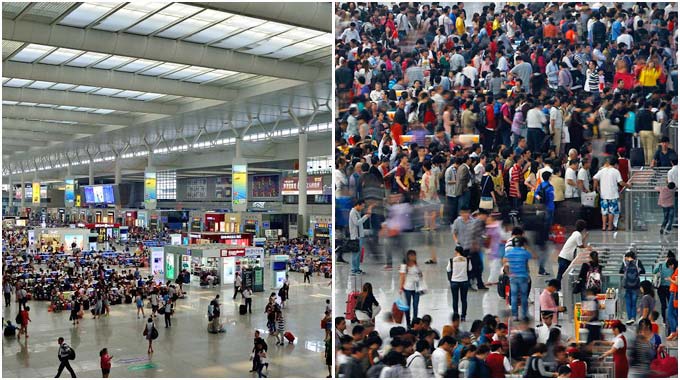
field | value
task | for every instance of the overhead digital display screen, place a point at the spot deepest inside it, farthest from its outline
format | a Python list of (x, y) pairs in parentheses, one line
[(108, 195), (89, 195), (98, 194)]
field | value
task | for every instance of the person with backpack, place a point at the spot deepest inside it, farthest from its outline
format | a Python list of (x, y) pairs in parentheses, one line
[(631, 268), (65, 354), (545, 194), (590, 276), (535, 367)]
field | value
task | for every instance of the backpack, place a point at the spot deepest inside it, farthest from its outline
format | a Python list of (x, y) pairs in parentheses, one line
[(71, 353), (18, 319), (211, 310), (540, 192), (631, 275), (593, 278), (503, 281), (531, 370), (481, 117)]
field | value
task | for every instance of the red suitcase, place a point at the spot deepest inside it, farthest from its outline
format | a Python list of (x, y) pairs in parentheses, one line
[(289, 336)]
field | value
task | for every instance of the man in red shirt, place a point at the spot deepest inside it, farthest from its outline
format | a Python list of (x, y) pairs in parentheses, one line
[(490, 127)]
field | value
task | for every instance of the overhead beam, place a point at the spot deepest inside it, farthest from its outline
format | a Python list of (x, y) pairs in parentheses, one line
[(113, 79), (41, 126), (39, 136), (156, 48), (22, 142), (315, 16), (38, 113), (77, 99)]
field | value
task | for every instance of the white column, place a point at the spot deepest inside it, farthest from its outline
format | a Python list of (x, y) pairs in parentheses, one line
[(117, 175), (23, 191), (90, 173), (10, 198), (302, 182)]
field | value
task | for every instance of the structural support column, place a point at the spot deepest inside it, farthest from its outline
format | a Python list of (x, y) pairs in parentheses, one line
[(90, 173), (302, 183), (10, 199), (22, 201), (117, 175)]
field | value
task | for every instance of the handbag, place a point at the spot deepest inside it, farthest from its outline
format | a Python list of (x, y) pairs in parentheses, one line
[(530, 197), (401, 304), (656, 280), (486, 203), (656, 128), (421, 287), (589, 199), (397, 314), (352, 246)]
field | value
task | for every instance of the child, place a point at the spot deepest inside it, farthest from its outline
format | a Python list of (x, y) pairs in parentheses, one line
[(105, 362), (280, 328), (667, 202), (578, 367), (656, 339), (25, 318)]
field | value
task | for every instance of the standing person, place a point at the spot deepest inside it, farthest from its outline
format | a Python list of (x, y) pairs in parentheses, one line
[(307, 273), (105, 362), (65, 354), (607, 181), (569, 249), (547, 300), (618, 350), (154, 303), (167, 313), (7, 292), (667, 203), (672, 312), (451, 195), (631, 268), (150, 333), (140, 304), (25, 318), (247, 295), (517, 259), (664, 270), (283, 294), (643, 353), (259, 345), (356, 232), (280, 328), (411, 284), (545, 194), (647, 302), (75, 309), (22, 296), (237, 285), (590, 276)]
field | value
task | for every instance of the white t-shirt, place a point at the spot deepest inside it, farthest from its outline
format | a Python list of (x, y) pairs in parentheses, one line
[(459, 267), (413, 274), (618, 342), (570, 191), (574, 241), (439, 362), (673, 175), (584, 176), (609, 178)]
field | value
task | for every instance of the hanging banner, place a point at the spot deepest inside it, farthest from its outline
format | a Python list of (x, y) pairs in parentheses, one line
[(239, 193), (150, 190), (36, 193), (70, 192)]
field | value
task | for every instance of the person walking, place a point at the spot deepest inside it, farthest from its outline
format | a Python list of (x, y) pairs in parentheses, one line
[(411, 284), (457, 269), (140, 304), (7, 292), (155, 301), (663, 271), (356, 232), (76, 306), (167, 313), (631, 268), (283, 294), (247, 295), (105, 362), (607, 181), (307, 273), (237, 285), (25, 318), (280, 328), (65, 354), (151, 333), (517, 259)]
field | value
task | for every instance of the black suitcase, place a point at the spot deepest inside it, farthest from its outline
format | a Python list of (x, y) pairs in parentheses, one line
[(637, 154), (242, 309)]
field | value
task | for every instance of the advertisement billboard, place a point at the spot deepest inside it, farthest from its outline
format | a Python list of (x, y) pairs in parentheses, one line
[(69, 192), (70, 239), (36, 193), (109, 196), (157, 263), (265, 186), (239, 193), (150, 189), (314, 186)]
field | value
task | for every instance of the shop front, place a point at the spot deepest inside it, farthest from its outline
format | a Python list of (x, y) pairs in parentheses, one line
[(248, 262)]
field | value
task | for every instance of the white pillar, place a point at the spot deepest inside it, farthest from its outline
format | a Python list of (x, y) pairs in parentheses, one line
[(90, 173), (117, 174), (10, 198), (302, 182), (22, 201)]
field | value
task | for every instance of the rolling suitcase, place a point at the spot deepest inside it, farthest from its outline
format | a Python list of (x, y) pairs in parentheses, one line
[(242, 309), (352, 298), (289, 336), (637, 154)]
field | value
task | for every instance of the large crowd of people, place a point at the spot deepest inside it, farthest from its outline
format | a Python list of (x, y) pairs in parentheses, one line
[(502, 130)]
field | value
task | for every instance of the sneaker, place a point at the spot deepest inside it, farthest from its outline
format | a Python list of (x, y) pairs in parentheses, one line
[(482, 288), (661, 231), (630, 321), (387, 267), (430, 261)]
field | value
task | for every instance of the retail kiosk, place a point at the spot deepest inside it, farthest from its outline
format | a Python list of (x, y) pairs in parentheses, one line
[(248, 261)]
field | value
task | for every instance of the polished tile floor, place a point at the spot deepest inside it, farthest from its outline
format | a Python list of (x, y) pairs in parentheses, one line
[(437, 302), (184, 350)]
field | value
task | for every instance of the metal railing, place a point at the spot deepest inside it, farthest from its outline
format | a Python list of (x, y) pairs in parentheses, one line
[(640, 200)]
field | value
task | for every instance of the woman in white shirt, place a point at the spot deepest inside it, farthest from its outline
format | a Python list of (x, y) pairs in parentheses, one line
[(411, 284), (458, 268)]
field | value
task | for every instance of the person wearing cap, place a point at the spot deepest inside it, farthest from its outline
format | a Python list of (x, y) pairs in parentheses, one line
[(618, 350), (543, 330), (664, 155), (499, 364), (578, 367)]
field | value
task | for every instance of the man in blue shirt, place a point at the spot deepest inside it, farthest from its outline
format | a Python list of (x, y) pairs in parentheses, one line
[(517, 260), (545, 194)]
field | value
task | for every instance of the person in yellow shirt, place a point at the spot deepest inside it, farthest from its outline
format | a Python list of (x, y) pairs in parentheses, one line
[(648, 77), (460, 24), (497, 22)]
